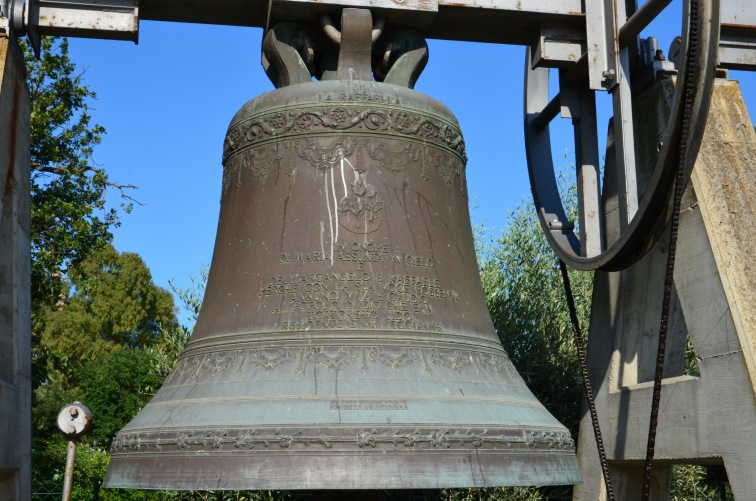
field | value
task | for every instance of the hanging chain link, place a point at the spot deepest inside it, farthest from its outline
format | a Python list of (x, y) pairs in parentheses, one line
[(684, 127), (688, 90), (586, 380)]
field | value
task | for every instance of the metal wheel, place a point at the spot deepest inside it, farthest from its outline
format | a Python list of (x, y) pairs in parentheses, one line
[(592, 243)]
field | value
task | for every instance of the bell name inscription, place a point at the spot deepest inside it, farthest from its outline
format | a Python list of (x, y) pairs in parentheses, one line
[(359, 253)]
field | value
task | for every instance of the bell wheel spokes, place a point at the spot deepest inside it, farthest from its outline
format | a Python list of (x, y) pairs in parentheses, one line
[(594, 241)]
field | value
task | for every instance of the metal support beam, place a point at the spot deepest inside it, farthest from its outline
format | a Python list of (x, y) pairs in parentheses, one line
[(558, 48), (109, 19), (737, 47), (105, 19), (642, 18), (564, 30)]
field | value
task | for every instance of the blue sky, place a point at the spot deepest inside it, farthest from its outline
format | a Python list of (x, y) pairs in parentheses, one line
[(166, 104)]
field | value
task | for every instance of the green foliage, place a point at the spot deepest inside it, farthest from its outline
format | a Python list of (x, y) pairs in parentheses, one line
[(118, 291), (691, 360), (48, 399), (688, 483), (525, 295), (50, 463), (111, 302), (507, 494), (116, 386), (69, 218), (94, 342), (168, 348)]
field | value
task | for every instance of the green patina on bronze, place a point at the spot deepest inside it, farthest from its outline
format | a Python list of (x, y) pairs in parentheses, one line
[(344, 340)]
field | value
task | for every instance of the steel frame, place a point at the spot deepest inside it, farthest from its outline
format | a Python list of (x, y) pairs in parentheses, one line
[(497, 21)]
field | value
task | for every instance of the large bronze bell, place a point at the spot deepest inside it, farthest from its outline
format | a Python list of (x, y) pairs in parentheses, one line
[(344, 340)]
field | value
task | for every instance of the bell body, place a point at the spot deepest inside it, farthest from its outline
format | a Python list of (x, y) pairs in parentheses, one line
[(344, 340)]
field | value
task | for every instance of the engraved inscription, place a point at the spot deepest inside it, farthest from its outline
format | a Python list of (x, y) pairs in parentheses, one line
[(369, 405), (359, 253), (364, 298), (358, 300)]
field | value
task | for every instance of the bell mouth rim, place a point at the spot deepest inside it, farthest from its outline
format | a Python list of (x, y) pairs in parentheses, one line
[(357, 470)]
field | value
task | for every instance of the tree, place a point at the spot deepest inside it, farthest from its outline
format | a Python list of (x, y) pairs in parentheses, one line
[(96, 341), (94, 310), (110, 308), (525, 295), (111, 302), (69, 218), (115, 388)]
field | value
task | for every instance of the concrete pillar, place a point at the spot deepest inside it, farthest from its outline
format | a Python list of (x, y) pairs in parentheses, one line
[(708, 418), (15, 274)]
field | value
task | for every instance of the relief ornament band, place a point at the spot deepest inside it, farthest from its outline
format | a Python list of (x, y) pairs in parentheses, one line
[(258, 143)]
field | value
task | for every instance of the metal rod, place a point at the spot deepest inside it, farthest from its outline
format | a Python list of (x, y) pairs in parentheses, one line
[(546, 115), (624, 139), (642, 18), (68, 478), (588, 176)]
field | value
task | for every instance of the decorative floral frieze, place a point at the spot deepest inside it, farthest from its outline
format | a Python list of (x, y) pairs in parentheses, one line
[(332, 358), (257, 161), (220, 362), (495, 364), (281, 125), (324, 155), (241, 362), (396, 359), (455, 360), (233, 440), (269, 359)]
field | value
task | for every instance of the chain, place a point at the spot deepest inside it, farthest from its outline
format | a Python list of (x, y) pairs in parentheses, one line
[(688, 90), (586, 381)]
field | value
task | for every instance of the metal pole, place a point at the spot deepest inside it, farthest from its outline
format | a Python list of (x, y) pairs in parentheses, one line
[(68, 479), (75, 421)]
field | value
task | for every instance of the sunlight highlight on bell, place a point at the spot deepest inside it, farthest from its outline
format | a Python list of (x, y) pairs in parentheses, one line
[(344, 340)]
